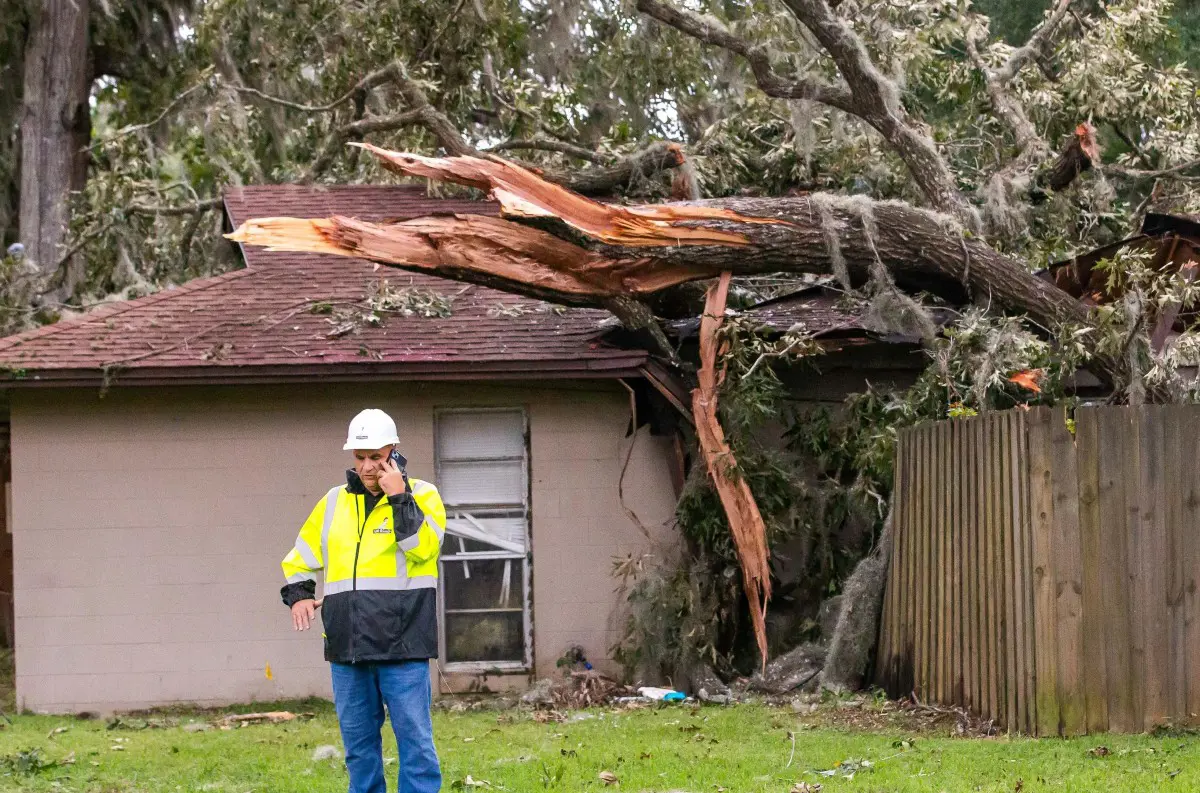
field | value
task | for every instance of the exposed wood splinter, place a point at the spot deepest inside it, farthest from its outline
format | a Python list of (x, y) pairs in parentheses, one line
[(485, 250), (745, 521), (522, 193)]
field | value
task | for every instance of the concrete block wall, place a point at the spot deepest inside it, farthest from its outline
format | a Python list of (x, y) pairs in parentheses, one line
[(149, 525)]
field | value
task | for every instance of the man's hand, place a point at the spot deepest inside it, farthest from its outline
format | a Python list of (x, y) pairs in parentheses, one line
[(392, 481), (303, 612)]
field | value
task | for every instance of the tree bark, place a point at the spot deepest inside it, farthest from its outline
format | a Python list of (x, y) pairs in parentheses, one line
[(12, 39), (55, 126)]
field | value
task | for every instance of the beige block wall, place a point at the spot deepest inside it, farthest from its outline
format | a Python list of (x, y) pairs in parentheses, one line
[(149, 525)]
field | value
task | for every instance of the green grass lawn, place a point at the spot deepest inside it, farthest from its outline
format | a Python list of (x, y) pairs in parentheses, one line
[(741, 748)]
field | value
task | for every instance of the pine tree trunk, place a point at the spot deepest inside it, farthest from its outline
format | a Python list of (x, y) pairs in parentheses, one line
[(55, 127)]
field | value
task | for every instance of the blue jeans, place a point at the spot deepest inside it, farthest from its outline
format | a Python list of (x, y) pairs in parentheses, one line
[(360, 692)]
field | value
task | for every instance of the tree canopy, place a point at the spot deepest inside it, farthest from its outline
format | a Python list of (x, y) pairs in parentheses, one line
[(189, 97)]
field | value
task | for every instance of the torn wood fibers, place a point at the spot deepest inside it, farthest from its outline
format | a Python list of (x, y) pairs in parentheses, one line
[(496, 252)]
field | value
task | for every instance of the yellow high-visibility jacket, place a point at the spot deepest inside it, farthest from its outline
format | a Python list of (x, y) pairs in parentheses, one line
[(381, 571)]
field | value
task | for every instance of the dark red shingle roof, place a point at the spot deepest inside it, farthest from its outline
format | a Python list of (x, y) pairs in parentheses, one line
[(277, 318)]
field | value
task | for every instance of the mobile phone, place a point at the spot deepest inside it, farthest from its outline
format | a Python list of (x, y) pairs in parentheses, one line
[(399, 460)]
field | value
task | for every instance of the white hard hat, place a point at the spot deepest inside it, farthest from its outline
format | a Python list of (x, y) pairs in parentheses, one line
[(371, 429)]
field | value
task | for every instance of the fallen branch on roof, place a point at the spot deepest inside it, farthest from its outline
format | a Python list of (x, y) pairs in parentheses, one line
[(556, 245)]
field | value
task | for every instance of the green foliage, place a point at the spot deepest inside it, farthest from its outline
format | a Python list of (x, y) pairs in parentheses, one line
[(26, 763), (679, 615)]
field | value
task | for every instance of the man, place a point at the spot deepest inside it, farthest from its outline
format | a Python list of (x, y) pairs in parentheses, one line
[(377, 538)]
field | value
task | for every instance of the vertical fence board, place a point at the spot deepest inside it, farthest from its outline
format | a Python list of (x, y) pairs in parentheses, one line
[(1025, 566), (925, 560), (1152, 570), (971, 619), (912, 589), (1176, 459), (1116, 433), (937, 551), (1041, 484), (1007, 599), (1095, 677), (948, 594), (1068, 579), (993, 588), (1027, 560), (925, 563), (958, 558), (1190, 473), (1016, 523)]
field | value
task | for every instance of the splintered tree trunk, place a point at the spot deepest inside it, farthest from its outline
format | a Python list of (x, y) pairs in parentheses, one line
[(745, 522), (1079, 155), (55, 128)]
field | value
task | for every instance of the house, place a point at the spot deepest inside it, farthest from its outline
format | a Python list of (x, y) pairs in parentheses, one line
[(165, 450)]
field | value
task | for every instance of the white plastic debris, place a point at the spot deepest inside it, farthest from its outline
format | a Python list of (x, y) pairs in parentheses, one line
[(326, 752)]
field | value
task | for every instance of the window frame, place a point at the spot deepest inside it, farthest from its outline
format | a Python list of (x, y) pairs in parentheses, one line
[(526, 559)]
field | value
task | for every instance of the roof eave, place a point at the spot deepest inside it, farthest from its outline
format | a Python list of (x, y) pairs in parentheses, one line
[(602, 368)]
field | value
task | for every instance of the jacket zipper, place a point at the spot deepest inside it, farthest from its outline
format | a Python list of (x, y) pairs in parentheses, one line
[(354, 575)]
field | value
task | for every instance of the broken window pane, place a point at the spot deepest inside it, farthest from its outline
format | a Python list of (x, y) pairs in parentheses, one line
[(495, 636), (484, 584)]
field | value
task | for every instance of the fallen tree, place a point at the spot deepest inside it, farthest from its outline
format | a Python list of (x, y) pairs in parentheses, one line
[(554, 245)]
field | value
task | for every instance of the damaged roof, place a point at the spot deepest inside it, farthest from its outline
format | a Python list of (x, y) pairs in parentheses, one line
[(296, 316), (1174, 238)]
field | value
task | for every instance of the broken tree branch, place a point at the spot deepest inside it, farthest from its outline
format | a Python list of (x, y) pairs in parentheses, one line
[(1081, 153), (599, 180), (877, 102), (745, 522)]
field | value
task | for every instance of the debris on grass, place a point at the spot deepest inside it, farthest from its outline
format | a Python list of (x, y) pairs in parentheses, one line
[(577, 689), (273, 717), (326, 752), (26, 763)]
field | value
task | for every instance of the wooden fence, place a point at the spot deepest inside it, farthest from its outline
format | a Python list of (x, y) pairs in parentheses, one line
[(1048, 579)]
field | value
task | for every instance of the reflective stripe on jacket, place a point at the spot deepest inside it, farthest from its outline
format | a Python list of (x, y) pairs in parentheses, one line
[(381, 571)]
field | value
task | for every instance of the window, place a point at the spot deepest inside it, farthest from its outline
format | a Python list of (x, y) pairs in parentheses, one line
[(483, 477)]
